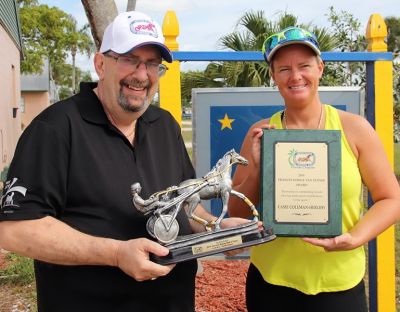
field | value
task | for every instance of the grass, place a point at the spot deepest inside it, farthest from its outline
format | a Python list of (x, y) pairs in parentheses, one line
[(17, 284), (397, 159), (18, 271), (187, 135)]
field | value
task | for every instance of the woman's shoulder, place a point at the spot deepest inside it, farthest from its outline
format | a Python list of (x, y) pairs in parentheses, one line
[(358, 130), (351, 120)]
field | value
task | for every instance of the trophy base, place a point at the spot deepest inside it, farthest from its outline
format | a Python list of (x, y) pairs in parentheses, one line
[(209, 243)]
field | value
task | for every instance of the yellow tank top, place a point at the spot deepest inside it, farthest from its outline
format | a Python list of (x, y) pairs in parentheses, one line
[(290, 262)]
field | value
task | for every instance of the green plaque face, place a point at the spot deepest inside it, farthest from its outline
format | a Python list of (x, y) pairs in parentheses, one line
[(301, 182)]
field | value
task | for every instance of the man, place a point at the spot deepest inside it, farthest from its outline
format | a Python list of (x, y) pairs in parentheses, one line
[(67, 202)]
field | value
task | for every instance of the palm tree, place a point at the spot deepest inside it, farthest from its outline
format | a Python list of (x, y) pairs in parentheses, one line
[(78, 40), (256, 29), (249, 34)]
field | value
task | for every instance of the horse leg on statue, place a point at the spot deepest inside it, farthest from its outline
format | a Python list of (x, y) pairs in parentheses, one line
[(192, 202), (225, 200)]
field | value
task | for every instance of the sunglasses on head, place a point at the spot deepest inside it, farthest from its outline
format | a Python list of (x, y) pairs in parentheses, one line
[(288, 34)]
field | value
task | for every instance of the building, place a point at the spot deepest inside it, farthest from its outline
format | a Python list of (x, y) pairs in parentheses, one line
[(10, 57), (38, 91)]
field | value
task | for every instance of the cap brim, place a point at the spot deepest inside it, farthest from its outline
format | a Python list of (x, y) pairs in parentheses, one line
[(166, 54), (308, 44)]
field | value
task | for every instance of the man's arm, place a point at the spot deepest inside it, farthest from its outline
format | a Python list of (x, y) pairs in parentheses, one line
[(53, 241)]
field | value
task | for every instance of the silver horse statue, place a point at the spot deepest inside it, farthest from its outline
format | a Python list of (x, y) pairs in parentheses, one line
[(165, 205)]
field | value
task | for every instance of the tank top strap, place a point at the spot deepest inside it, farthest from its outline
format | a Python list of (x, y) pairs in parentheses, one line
[(332, 122), (276, 119)]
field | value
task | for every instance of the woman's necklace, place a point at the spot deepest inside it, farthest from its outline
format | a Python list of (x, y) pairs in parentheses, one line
[(319, 121)]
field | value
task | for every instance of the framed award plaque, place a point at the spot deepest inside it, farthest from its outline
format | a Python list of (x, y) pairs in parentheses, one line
[(301, 189)]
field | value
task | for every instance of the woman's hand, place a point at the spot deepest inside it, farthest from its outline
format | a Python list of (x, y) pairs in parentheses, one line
[(256, 142), (341, 242)]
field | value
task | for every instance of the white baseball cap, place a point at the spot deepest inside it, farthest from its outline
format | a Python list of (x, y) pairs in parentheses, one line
[(131, 30)]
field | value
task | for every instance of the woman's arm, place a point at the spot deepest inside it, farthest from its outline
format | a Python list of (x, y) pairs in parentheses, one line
[(380, 180)]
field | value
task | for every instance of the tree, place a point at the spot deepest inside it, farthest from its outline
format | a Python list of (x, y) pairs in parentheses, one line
[(78, 41), (393, 42), (65, 91), (100, 13), (51, 33), (63, 74), (346, 30), (209, 78), (249, 34), (131, 5), (44, 32), (393, 39)]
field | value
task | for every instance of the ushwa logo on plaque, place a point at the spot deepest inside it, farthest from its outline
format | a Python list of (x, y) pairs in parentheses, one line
[(301, 182), (301, 159)]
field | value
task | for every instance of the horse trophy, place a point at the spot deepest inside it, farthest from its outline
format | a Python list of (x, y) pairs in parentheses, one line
[(163, 208)]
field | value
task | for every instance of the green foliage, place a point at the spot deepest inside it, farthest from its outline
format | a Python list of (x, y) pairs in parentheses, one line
[(393, 39), (78, 40), (249, 34), (3, 174), (396, 95), (64, 93), (393, 42), (346, 29), (62, 73), (18, 271), (198, 79), (48, 32), (346, 32), (397, 159), (44, 32)]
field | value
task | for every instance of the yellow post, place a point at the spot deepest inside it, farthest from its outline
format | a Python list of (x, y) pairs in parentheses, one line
[(170, 84), (376, 33)]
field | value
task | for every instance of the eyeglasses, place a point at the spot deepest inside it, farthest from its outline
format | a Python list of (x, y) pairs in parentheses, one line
[(133, 63), (288, 34)]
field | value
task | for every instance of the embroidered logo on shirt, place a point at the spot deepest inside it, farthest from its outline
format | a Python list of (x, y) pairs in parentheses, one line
[(10, 189)]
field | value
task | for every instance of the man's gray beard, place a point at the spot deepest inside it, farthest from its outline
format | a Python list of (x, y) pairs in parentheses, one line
[(126, 106)]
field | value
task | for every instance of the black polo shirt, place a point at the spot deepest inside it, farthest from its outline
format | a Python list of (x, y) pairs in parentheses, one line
[(72, 164)]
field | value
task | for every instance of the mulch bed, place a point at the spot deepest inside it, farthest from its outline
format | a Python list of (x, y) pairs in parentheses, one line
[(221, 286)]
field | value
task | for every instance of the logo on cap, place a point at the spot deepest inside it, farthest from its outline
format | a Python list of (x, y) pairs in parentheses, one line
[(144, 27)]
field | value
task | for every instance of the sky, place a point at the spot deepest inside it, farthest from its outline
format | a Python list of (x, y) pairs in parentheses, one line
[(203, 22)]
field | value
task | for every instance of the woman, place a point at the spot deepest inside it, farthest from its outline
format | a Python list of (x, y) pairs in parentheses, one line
[(311, 274)]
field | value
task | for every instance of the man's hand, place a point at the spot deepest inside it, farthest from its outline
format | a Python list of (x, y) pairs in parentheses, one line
[(132, 257)]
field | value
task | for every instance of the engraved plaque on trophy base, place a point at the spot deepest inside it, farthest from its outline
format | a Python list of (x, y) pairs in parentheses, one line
[(209, 243)]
